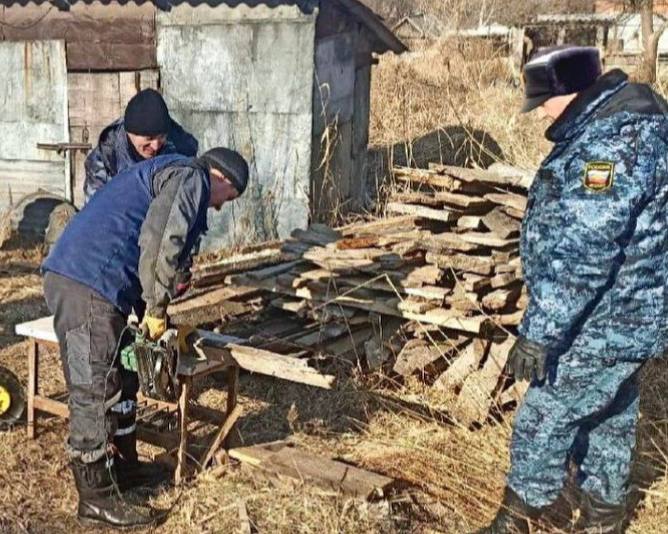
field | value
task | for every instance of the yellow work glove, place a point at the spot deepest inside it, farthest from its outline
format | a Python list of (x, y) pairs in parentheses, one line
[(153, 327), (183, 333)]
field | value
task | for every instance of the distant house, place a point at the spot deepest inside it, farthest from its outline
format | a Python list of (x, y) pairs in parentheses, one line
[(616, 34), (285, 82), (417, 27)]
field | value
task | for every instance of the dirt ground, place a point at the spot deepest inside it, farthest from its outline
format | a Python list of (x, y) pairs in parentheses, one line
[(450, 477)]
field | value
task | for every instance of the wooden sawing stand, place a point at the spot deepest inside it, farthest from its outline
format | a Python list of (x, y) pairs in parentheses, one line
[(190, 370)]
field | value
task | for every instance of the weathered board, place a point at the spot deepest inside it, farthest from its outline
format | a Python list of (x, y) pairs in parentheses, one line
[(97, 37)]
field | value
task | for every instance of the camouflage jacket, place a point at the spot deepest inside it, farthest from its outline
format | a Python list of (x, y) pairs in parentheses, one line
[(595, 236), (114, 154)]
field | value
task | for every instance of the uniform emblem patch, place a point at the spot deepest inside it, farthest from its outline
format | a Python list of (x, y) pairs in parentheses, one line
[(599, 175)]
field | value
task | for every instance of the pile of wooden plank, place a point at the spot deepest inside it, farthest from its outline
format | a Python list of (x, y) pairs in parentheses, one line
[(432, 290)]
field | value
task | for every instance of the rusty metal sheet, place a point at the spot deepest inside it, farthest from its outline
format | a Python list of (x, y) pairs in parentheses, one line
[(247, 86), (33, 109)]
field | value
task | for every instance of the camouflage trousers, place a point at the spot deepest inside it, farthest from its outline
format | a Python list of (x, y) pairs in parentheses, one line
[(586, 413)]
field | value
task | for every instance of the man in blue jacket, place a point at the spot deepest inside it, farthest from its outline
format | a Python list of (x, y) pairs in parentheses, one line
[(595, 263), (145, 131), (149, 217)]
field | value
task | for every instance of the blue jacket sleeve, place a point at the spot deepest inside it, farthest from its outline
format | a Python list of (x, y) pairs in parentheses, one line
[(579, 234)]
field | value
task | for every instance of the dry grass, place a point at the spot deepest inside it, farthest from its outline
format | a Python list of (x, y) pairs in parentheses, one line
[(452, 476)]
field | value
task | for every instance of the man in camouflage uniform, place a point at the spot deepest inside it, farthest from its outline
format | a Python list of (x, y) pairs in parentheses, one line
[(594, 256)]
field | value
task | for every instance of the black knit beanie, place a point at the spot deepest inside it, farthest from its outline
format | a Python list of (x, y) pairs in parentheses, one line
[(230, 163), (147, 114)]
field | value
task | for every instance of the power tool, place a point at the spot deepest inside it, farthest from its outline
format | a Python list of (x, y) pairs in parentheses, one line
[(155, 364), (12, 398)]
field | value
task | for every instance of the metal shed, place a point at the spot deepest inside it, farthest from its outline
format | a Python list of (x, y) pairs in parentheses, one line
[(285, 82)]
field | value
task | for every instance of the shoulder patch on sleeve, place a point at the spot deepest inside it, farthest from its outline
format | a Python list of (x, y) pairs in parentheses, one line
[(598, 175)]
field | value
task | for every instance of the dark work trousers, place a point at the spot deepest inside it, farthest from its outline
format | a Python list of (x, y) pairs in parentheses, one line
[(102, 394)]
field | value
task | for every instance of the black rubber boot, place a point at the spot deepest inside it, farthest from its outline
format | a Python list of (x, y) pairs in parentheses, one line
[(600, 517), (130, 471), (98, 501), (513, 516)]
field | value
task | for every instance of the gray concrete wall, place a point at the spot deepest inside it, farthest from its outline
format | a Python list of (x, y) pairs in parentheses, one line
[(33, 109), (243, 78)]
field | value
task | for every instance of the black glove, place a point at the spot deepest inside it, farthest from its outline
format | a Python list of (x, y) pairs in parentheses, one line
[(526, 359)]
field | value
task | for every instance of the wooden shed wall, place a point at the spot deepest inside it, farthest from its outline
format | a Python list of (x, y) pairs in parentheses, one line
[(98, 37), (341, 100)]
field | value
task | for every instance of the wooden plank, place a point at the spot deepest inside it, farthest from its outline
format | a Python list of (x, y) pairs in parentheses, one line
[(499, 299), (470, 222), (488, 240), (273, 270), (219, 347), (503, 279), (418, 354), (509, 200), (428, 275), (415, 305), (91, 55), (40, 329), (449, 241), (474, 282), (222, 433), (510, 319), (501, 224), (462, 366), (477, 393), (462, 262), (421, 176), (245, 526), (513, 212), (470, 203), (462, 300), (421, 211), (240, 262), (480, 175), (357, 242), (398, 286), (306, 467), (348, 342), (211, 299), (379, 227), (313, 237), (413, 197)]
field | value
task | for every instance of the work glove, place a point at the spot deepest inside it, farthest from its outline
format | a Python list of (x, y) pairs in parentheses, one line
[(153, 327), (526, 360)]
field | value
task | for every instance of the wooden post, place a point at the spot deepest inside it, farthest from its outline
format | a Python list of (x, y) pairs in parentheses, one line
[(232, 391), (33, 385), (179, 475)]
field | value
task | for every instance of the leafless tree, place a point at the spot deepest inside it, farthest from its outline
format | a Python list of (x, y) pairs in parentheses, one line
[(650, 36)]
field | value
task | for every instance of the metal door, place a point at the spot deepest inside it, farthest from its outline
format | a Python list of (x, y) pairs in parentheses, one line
[(33, 111)]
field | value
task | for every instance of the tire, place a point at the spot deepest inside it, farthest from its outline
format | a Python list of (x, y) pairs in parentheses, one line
[(12, 398)]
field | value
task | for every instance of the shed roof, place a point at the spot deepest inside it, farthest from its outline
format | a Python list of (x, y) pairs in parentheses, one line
[(384, 39), (575, 18)]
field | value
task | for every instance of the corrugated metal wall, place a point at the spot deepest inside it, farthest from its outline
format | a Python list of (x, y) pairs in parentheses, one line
[(243, 78), (33, 109)]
